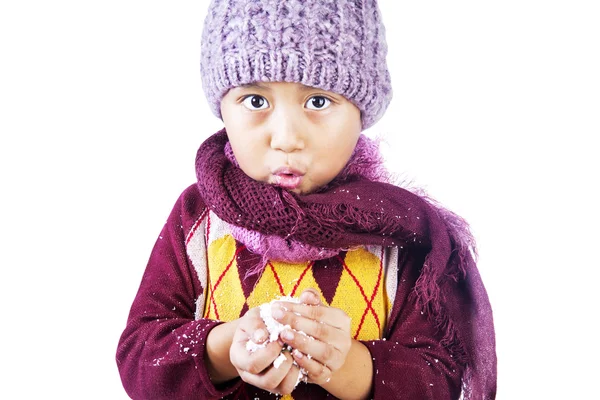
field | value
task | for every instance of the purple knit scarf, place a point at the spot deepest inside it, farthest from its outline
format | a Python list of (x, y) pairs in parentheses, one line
[(353, 211), (366, 161)]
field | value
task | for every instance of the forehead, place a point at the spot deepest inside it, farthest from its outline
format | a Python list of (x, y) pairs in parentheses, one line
[(276, 86), (284, 88)]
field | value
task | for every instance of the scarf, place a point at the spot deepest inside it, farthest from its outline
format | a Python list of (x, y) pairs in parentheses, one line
[(365, 161), (353, 211)]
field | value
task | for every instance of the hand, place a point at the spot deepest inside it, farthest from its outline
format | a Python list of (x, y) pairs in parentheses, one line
[(329, 327), (257, 368)]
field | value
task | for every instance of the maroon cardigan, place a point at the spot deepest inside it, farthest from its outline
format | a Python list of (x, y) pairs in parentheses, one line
[(410, 363)]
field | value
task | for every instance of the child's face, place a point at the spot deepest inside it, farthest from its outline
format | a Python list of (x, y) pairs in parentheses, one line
[(290, 135)]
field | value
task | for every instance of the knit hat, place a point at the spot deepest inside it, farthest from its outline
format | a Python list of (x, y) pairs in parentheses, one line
[(334, 45)]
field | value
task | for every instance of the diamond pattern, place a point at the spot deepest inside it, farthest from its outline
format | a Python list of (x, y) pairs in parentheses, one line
[(225, 295), (361, 280), (353, 284), (327, 273), (245, 261)]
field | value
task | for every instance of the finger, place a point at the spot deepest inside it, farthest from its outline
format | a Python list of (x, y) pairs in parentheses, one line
[(321, 351), (324, 330), (291, 380), (253, 362), (271, 378), (254, 327), (286, 313), (311, 297), (310, 327), (258, 337), (315, 371)]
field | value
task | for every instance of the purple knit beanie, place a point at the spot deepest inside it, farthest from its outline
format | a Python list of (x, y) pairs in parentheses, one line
[(333, 45)]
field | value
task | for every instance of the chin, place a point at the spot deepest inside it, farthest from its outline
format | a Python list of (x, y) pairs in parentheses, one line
[(309, 190)]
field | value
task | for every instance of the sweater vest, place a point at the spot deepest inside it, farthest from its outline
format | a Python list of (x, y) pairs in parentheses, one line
[(362, 281)]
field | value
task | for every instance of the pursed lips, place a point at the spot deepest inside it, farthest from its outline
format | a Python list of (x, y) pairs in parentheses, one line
[(287, 178)]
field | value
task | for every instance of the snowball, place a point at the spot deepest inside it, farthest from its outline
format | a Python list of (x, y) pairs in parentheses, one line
[(275, 328)]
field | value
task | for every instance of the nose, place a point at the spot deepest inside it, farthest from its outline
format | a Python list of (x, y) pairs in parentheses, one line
[(286, 134)]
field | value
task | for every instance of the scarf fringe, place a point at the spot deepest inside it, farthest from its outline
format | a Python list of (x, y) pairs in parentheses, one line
[(431, 285)]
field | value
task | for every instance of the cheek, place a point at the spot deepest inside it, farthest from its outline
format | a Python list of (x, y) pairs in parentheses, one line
[(243, 154), (339, 148), (339, 154), (250, 156), (333, 161)]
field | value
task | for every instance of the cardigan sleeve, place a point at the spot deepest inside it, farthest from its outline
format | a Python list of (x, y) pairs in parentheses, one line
[(411, 363), (161, 351)]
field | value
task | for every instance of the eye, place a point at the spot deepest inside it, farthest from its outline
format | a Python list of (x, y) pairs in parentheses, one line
[(255, 102), (318, 103)]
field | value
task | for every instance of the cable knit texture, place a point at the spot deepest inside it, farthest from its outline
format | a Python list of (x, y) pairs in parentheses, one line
[(333, 45)]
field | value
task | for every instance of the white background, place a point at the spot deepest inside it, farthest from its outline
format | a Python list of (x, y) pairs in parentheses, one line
[(496, 114)]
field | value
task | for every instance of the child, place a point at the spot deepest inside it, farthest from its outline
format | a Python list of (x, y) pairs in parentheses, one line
[(292, 200)]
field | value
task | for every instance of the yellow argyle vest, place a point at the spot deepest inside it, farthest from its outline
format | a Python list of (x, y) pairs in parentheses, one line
[(359, 290)]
